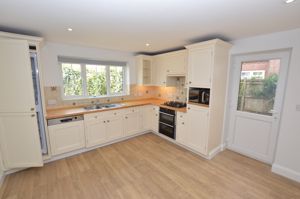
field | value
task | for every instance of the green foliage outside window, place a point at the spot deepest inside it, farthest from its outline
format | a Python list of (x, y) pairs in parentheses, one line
[(72, 81), (96, 82), (116, 79)]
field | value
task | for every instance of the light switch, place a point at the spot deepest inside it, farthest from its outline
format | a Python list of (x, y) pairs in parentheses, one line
[(298, 107)]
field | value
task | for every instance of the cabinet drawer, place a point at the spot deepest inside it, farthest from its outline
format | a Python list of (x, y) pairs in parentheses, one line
[(112, 113), (131, 110), (92, 116)]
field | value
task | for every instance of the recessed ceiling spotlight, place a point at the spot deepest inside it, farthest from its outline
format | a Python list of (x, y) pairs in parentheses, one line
[(70, 29), (289, 1), (147, 44)]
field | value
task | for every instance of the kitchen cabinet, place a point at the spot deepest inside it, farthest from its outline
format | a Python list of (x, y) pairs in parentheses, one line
[(160, 70), (114, 127), (197, 128), (208, 68), (66, 137), (144, 69), (149, 118), (20, 144), (19, 134), (95, 130), (176, 63), (200, 61), (181, 128), (132, 123)]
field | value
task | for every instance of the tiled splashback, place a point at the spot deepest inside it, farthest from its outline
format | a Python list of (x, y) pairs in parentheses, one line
[(54, 100)]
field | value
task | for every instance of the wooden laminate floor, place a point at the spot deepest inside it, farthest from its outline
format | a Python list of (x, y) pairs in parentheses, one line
[(149, 167)]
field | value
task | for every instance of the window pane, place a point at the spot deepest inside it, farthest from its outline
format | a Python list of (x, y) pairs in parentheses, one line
[(116, 79), (72, 79), (96, 80), (258, 84)]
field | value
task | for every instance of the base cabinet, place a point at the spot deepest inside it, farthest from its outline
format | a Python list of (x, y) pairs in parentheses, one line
[(95, 131), (197, 122), (114, 127), (66, 137), (131, 123), (192, 129)]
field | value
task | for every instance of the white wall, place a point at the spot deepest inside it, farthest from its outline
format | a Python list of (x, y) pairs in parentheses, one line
[(1, 171), (287, 157), (50, 51)]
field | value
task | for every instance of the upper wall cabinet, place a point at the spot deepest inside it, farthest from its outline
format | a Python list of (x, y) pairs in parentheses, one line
[(203, 59), (175, 63), (144, 70)]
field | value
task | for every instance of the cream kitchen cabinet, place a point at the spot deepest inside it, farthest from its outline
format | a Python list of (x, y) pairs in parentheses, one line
[(197, 128), (66, 137), (144, 70), (114, 127), (20, 145), (199, 67), (176, 63), (160, 70), (182, 128), (192, 128), (207, 61), (132, 121), (149, 118), (95, 130)]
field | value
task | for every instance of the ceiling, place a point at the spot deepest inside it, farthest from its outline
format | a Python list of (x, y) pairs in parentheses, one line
[(128, 25)]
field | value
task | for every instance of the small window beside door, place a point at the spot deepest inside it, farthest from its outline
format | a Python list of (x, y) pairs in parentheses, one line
[(258, 83)]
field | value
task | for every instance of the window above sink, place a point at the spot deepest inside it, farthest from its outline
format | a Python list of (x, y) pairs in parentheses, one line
[(92, 79)]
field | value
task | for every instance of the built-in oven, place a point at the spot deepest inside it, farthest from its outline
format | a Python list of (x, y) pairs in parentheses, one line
[(167, 122)]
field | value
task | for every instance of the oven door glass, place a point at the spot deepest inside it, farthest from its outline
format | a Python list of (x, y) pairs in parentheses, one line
[(167, 130), (167, 118)]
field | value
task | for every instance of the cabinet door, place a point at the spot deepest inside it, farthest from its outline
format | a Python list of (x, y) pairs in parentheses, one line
[(146, 118), (197, 120), (66, 137), (155, 117), (16, 83), (19, 140), (176, 63), (131, 123), (200, 62), (182, 128), (160, 71), (95, 131), (114, 127)]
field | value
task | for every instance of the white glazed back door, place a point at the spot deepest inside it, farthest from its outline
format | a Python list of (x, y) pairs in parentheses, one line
[(257, 94)]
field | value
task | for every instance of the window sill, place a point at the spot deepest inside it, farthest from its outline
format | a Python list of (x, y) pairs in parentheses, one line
[(96, 97)]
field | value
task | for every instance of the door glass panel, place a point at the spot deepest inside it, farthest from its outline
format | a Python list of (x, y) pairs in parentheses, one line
[(257, 89)]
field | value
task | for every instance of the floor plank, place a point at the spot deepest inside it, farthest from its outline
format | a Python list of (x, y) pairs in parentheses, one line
[(149, 167)]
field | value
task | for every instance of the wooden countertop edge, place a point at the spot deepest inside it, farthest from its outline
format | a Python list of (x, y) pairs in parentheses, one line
[(65, 112)]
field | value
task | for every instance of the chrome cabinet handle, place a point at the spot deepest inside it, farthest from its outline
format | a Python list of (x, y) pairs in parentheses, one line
[(182, 123), (126, 117), (31, 109), (104, 121), (32, 115), (107, 121)]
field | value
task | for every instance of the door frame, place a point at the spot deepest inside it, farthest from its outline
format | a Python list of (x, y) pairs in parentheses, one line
[(233, 88)]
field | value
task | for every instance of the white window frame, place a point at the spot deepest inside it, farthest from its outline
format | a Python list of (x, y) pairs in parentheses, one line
[(84, 83)]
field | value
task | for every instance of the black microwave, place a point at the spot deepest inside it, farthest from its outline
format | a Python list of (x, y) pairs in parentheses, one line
[(199, 95)]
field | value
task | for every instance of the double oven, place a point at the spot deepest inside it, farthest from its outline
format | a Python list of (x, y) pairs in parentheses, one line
[(167, 122)]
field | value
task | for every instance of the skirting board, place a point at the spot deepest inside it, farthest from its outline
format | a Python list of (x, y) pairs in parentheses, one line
[(286, 172)]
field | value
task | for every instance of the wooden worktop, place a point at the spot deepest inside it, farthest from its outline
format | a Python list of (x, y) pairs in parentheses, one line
[(79, 110)]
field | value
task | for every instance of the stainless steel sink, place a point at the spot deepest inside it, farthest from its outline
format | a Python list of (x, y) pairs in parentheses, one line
[(102, 106)]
